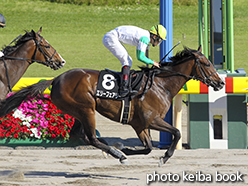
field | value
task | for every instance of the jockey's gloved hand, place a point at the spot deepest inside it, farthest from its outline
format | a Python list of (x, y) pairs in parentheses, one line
[(156, 64)]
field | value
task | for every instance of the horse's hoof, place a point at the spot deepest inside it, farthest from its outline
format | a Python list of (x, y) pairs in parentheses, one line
[(161, 162), (105, 155), (119, 145), (124, 162)]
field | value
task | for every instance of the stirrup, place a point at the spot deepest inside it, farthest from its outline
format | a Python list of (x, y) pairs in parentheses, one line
[(134, 92), (124, 93)]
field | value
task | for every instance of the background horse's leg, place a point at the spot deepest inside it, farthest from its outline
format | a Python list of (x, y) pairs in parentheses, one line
[(144, 138), (161, 125), (3, 90)]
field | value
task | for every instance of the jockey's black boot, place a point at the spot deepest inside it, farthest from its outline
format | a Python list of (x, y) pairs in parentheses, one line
[(124, 89)]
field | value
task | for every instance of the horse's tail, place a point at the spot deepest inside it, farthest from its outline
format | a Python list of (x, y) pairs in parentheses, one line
[(7, 105)]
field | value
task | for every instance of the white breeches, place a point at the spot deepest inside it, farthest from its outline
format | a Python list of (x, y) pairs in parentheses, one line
[(111, 42)]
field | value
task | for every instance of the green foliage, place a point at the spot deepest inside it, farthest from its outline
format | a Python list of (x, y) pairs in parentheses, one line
[(108, 2), (123, 2), (76, 31), (185, 2)]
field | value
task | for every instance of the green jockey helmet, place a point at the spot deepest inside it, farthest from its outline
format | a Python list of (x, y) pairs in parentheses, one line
[(159, 30)]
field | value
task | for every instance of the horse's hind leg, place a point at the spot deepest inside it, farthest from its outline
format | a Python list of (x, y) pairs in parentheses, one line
[(144, 137), (87, 119)]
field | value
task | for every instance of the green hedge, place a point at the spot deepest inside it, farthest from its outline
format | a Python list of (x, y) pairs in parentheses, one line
[(123, 2)]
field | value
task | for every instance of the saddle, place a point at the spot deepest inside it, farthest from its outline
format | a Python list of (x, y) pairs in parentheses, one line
[(109, 83)]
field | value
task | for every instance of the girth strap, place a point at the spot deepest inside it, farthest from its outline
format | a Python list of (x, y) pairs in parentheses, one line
[(125, 111)]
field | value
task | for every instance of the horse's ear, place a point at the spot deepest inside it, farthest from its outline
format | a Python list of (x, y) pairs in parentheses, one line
[(39, 30), (33, 32), (200, 48)]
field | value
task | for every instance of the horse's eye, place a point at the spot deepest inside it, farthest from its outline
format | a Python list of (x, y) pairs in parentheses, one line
[(47, 46)]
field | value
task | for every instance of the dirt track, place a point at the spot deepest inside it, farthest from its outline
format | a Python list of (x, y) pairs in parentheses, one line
[(87, 166)]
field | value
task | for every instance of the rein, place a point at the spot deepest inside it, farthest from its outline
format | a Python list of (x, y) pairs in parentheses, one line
[(206, 79), (48, 62)]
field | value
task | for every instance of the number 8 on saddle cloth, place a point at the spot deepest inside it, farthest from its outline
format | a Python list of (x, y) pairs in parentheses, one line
[(108, 84)]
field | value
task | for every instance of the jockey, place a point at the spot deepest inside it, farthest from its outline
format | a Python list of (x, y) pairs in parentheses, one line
[(135, 36), (2, 21)]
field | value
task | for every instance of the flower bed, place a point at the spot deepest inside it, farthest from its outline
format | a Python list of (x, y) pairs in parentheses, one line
[(36, 119)]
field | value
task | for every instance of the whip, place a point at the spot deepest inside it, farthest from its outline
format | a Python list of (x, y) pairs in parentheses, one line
[(169, 52)]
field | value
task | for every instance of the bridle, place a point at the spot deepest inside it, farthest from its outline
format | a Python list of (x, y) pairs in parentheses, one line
[(48, 59), (204, 79)]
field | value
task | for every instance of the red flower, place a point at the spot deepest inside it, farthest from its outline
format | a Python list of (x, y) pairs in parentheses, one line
[(53, 136), (52, 128), (8, 134), (64, 133)]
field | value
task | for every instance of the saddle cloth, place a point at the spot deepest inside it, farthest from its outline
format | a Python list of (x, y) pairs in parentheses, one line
[(109, 83), (108, 88)]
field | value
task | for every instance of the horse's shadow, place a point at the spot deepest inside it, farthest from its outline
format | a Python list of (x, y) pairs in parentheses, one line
[(11, 174), (129, 142), (69, 175)]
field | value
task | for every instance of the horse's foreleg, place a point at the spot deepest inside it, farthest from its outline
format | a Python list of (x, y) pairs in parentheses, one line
[(161, 125)]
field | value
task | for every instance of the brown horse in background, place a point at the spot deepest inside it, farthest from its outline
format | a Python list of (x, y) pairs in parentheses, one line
[(74, 92), (29, 48)]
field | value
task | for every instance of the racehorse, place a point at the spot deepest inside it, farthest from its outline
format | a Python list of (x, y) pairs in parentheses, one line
[(30, 48), (74, 92)]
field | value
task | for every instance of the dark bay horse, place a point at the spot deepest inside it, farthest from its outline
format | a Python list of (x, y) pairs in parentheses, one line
[(74, 92), (30, 48)]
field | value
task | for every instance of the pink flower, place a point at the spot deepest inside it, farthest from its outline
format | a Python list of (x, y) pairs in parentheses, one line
[(44, 105), (35, 120), (43, 113), (44, 124), (37, 115)]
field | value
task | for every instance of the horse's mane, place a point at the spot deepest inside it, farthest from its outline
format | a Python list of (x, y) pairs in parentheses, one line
[(186, 53), (9, 49), (179, 58)]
